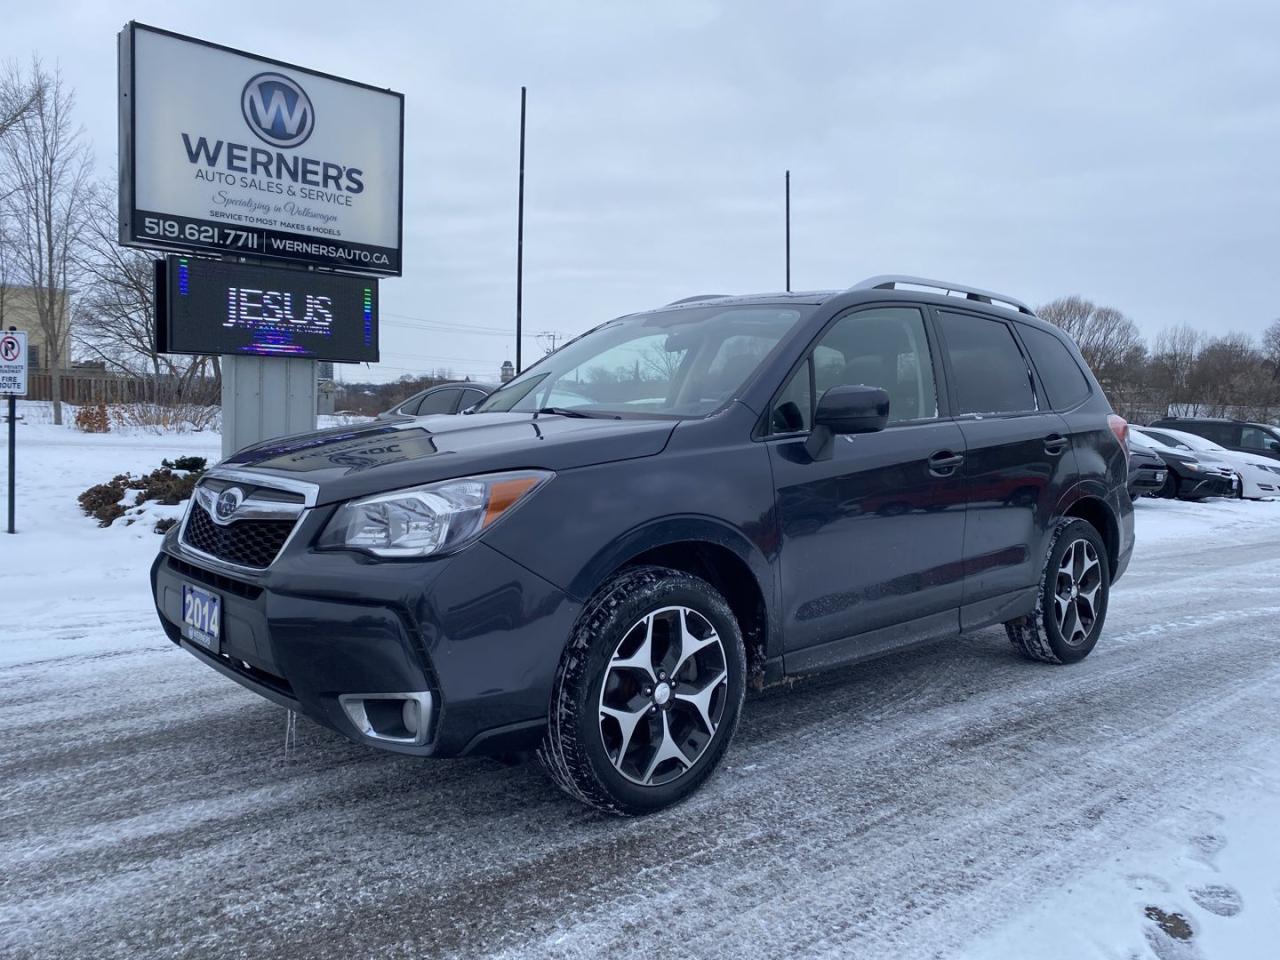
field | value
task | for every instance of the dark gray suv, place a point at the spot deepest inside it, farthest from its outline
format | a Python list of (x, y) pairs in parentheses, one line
[(677, 505)]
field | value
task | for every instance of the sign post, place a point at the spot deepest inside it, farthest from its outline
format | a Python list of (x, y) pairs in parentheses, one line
[(13, 382)]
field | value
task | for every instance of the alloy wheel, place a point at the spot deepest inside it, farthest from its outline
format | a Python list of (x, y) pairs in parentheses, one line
[(663, 695), (1079, 580)]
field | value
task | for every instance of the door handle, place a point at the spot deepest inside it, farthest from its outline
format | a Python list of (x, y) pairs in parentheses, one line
[(944, 463), (1055, 444)]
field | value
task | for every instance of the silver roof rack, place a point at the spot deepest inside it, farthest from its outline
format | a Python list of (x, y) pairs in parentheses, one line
[(701, 296), (891, 281)]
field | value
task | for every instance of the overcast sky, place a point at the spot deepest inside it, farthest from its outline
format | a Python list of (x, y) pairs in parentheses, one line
[(1125, 152)]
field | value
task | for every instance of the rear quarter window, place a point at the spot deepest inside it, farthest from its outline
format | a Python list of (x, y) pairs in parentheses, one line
[(1064, 382)]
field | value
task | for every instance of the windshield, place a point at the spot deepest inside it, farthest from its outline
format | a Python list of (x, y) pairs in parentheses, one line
[(1161, 440), (682, 363)]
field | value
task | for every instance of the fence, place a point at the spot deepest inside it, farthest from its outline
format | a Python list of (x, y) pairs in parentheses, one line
[(80, 387)]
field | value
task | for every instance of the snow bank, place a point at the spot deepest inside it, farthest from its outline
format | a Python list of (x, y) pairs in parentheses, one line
[(70, 586)]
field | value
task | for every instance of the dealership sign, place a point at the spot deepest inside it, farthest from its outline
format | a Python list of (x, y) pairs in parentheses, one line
[(214, 307), (222, 151)]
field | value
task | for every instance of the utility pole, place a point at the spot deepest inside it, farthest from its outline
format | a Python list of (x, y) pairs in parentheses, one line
[(549, 339), (788, 229), (520, 238)]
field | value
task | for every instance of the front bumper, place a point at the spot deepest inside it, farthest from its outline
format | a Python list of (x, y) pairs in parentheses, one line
[(478, 631), (1212, 485), (1147, 479)]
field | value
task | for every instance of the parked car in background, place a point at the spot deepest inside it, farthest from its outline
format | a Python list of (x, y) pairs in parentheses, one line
[(1192, 476), (1258, 438), (1147, 470), (602, 577), (1259, 476), (445, 398)]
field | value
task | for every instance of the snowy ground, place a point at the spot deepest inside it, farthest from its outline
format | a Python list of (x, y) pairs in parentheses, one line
[(952, 801)]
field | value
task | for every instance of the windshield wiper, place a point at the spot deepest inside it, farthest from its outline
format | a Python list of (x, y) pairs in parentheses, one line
[(570, 412)]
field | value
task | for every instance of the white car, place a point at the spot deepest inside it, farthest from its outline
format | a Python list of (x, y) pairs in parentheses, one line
[(1259, 476)]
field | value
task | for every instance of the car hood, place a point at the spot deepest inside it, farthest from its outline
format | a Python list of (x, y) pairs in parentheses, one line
[(354, 461), (1241, 457), (1145, 454)]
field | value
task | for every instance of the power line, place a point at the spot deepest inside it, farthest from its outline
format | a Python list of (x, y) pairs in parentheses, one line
[(445, 323)]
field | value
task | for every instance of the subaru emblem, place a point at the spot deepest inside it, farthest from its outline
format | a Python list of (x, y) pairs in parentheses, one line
[(227, 504)]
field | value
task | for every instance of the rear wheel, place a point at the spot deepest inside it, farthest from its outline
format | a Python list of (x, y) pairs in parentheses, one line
[(1072, 604), (648, 693)]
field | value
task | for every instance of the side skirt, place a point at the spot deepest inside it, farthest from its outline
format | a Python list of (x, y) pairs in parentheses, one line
[(872, 643)]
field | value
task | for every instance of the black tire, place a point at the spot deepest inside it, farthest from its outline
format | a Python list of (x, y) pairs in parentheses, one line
[(574, 751), (1169, 491), (1062, 603)]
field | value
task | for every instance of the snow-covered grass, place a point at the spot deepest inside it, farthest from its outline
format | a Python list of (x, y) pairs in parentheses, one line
[(70, 586), (71, 591)]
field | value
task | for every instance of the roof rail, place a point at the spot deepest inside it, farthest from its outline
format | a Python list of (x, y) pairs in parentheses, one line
[(701, 296), (892, 280)]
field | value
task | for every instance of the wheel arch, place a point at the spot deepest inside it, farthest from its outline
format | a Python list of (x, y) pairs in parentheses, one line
[(1087, 501), (719, 554)]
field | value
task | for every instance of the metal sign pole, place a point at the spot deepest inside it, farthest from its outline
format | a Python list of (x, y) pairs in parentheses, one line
[(520, 242), (788, 218), (13, 383), (13, 449)]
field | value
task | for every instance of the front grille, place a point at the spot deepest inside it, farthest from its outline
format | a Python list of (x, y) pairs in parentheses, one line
[(218, 581), (247, 543)]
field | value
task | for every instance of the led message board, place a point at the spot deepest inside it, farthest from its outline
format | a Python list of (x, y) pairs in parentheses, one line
[(215, 307)]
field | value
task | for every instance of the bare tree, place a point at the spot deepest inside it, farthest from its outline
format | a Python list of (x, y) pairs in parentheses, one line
[(1271, 349), (1105, 336), (1109, 341), (5, 258), (17, 97), (1227, 376), (1174, 363), (44, 179), (15, 102), (115, 316)]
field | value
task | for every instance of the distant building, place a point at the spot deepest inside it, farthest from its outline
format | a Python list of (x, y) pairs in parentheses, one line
[(507, 372), (18, 309)]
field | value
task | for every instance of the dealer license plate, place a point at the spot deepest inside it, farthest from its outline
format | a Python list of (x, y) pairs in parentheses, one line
[(1159, 476), (201, 617)]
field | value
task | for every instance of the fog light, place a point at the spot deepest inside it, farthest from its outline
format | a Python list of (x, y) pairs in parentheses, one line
[(409, 713)]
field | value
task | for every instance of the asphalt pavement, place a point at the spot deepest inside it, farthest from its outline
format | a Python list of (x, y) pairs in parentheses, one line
[(150, 808)]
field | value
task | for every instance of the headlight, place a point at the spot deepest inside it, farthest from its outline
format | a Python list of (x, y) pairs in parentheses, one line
[(1194, 467), (431, 519)]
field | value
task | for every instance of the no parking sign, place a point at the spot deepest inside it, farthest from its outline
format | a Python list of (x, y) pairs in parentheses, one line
[(13, 383), (13, 363)]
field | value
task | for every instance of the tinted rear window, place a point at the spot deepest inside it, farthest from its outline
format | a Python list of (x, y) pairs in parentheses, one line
[(1063, 380), (990, 372), (1223, 434)]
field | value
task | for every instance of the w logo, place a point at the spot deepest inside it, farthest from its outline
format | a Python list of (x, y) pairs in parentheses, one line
[(277, 110)]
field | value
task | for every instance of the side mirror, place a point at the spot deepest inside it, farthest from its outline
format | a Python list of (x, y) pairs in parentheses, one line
[(846, 409), (1274, 445)]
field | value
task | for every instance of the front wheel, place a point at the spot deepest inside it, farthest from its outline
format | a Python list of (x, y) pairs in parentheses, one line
[(1072, 605), (648, 693)]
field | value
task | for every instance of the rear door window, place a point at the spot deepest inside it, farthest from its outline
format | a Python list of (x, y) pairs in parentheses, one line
[(1256, 438), (1064, 382), (991, 375)]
